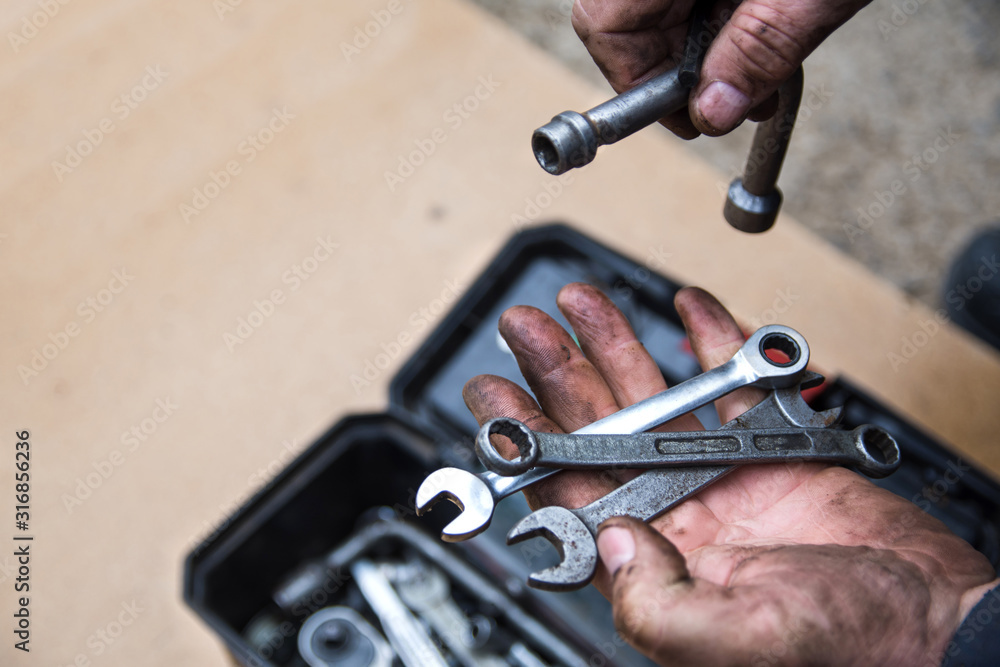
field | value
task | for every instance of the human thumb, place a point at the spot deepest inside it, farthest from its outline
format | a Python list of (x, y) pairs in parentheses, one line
[(759, 48), (649, 578)]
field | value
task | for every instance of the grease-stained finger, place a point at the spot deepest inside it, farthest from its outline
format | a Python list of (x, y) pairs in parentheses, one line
[(611, 345), (568, 387), (490, 396), (715, 338)]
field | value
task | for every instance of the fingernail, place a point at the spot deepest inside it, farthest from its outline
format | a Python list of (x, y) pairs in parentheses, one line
[(616, 547), (722, 106)]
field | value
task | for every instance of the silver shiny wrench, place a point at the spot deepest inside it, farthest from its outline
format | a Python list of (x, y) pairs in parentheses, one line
[(407, 637), (868, 448), (427, 591), (477, 494), (573, 532)]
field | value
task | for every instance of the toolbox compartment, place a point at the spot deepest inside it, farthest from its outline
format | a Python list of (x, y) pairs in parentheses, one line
[(320, 500)]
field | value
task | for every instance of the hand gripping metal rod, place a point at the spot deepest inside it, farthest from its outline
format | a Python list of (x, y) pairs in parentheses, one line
[(571, 139), (477, 495)]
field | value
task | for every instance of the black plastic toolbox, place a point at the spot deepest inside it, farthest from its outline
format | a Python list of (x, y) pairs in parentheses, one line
[(322, 499)]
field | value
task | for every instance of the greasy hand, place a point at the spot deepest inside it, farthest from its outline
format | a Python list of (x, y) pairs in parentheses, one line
[(760, 43), (785, 564)]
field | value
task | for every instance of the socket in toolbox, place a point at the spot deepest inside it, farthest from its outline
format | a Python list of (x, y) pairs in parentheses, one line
[(389, 539)]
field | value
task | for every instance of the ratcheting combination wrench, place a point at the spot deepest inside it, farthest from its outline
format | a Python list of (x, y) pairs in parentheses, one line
[(477, 494), (868, 448), (573, 532)]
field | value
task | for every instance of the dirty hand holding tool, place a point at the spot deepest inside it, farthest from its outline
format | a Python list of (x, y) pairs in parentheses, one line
[(783, 563), (760, 44)]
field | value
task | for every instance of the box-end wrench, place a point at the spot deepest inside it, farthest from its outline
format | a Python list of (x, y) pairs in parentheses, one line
[(868, 448), (477, 494), (573, 532)]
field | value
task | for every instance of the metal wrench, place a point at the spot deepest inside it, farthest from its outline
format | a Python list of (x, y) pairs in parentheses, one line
[(573, 532), (427, 591), (407, 637), (477, 494), (868, 448)]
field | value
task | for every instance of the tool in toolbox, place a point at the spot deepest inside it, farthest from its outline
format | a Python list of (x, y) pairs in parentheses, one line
[(571, 139), (413, 646), (427, 591), (477, 494), (340, 636), (414, 603)]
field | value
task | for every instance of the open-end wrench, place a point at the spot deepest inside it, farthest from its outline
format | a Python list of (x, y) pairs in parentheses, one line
[(868, 448), (477, 494), (573, 532)]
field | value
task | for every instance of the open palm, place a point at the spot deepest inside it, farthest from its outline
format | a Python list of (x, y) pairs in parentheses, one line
[(784, 564)]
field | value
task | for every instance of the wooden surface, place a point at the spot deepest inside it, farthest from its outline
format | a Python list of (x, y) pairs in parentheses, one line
[(343, 121)]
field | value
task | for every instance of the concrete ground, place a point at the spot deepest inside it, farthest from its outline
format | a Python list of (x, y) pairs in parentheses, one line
[(905, 95)]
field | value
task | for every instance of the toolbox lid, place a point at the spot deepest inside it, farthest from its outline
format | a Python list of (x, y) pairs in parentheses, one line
[(530, 270)]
